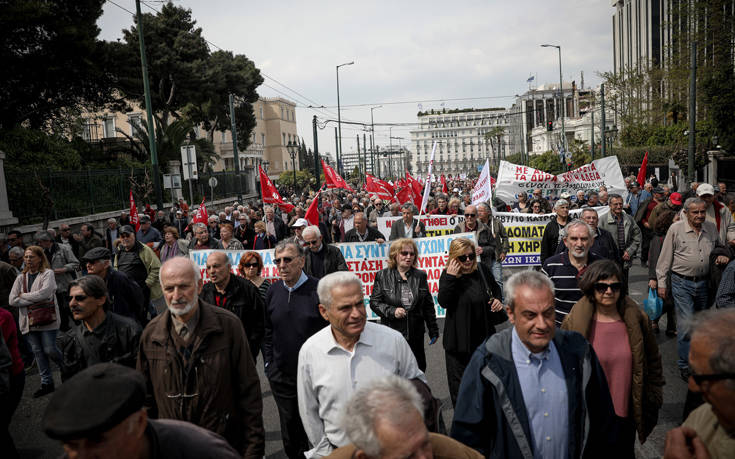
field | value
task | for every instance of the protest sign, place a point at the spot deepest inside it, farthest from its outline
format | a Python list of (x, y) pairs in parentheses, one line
[(436, 225), (513, 178), (364, 259), (482, 190), (525, 232)]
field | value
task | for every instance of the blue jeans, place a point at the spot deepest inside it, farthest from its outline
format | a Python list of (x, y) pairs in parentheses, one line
[(497, 270), (44, 345), (689, 298)]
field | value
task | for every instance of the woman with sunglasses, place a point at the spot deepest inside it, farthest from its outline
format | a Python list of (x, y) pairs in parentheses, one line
[(469, 293), (621, 336), (250, 267), (402, 300)]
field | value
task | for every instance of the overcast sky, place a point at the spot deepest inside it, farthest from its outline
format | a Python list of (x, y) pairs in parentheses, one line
[(427, 52)]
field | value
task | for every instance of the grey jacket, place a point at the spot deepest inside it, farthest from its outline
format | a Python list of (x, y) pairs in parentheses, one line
[(632, 234), (63, 257)]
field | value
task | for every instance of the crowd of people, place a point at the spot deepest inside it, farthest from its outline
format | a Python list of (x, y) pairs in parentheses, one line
[(152, 362)]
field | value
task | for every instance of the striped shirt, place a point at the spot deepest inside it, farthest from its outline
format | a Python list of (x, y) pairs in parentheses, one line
[(564, 276)]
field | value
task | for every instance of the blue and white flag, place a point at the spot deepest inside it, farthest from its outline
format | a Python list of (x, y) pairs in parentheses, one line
[(530, 79)]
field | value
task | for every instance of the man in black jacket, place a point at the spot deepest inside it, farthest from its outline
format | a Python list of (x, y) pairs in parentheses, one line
[(126, 296), (101, 336), (361, 232), (550, 241), (321, 259), (236, 294), (202, 240)]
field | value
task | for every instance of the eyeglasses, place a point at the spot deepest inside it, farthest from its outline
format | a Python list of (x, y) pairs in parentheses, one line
[(125, 234), (463, 258), (699, 379), (78, 297), (285, 260), (470, 215), (601, 287), (314, 243), (250, 265), (407, 253)]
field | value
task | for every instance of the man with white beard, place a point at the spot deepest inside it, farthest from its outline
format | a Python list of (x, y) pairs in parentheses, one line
[(198, 366)]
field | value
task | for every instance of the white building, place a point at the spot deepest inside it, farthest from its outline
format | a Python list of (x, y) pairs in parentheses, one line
[(462, 139)]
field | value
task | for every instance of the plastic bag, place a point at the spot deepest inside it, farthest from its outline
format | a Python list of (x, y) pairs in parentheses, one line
[(653, 305)]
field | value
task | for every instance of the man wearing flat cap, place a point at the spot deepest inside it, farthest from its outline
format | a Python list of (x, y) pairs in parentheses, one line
[(100, 336), (113, 423), (197, 364), (126, 296)]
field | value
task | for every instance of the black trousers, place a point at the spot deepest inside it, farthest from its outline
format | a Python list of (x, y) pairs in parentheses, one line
[(456, 364), (8, 404), (66, 318), (646, 237), (417, 347), (295, 441), (626, 437)]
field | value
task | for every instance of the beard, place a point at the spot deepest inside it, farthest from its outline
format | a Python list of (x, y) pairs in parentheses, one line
[(579, 255), (178, 312)]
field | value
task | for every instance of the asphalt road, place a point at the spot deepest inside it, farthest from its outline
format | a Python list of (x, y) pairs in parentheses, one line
[(32, 443)]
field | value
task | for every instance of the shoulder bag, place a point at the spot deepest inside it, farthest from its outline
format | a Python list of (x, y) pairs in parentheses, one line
[(40, 313)]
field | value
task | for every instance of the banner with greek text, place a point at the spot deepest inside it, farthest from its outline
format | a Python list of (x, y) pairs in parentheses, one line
[(436, 225), (364, 259), (513, 178)]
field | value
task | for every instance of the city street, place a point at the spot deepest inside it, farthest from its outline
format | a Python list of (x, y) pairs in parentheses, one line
[(32, 443)]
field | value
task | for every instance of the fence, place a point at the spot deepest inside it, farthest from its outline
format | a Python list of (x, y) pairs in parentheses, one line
[(66, 194)]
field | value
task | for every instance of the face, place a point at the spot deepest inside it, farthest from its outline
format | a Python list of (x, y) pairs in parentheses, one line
[(213, 224), (169, 237), (289, 264), (442, 203), (65, 232), (708, 198), (360, 223), (470, 215), (243, 221), (562, 211), (592, 201), (616, 206), (716, 393), (127, 240), (405, 257), (482, 212), (86, 232), (15, 260), (111, 225), (225, 233), (536, 208), (202, 235), (346, 314), (410, 440), (32, 260), (590, 218), (313, 241), (98, 267), (533, 317), (249, 269), (696, 213), (469, 260), (82, 305), (578, 242), (407, 215), (603, 196), (269, 214), (122, 441), (179, 287), (537, 194), (610, 296), (218, 268), (722, 187)]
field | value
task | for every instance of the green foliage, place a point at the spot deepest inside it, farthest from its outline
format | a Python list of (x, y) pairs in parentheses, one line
[(303, 179)]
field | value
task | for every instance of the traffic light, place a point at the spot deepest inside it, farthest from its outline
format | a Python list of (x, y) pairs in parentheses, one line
[(549, 125)]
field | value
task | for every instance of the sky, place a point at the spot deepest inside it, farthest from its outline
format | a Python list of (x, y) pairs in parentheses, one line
[(405, 53)]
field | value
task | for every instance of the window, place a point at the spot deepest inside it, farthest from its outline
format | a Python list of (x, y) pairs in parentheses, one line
[(284, 138), (109, 127), (262, 139), (283, 114), (224, 137), (135, 123), (87, 130), (261, 113)]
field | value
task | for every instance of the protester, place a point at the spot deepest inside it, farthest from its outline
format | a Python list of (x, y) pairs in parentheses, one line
[(626, 232), (505, 374), (262, 240), (202, 239), (88, 240), (237, 295), (101, 335), (634, 199), (604, 245), (321, 259), (34, 294), (471, 297), (344, 357), (197, 348), (402, 300), (12, 363), (291, 317), (718, 214), (500, 239), (64, 264), (172, 246), (663, 221), (140, 263), (552, 232), (672, 204), (213, 227), (244, 231), (111, 234), (725, 297), (361, 232), (621, 336), (147, 234), (126, 296), (522, 205), (485, 248), (275, 226), (408, 226), (228, 241)]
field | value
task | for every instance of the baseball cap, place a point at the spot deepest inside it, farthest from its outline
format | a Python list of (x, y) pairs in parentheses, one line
[(675, 199), (705, 188), (565, 195), (127, 229), (300, 223)]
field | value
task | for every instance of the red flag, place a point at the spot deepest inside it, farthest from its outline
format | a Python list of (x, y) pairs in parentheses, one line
[(445, 189), (333, 179), (380, 187), (134, 220), (201, 215), (642, 172), (416, 187), (312, 213), (270, 193)]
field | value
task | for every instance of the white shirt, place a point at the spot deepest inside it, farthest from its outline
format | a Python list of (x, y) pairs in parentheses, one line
[(348, 223), (328, 375)]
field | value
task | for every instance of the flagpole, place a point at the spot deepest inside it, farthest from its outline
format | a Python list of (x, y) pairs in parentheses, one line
[(427, 185)]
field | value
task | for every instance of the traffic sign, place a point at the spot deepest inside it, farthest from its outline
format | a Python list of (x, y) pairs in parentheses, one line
[(212, 182), (189, 162)]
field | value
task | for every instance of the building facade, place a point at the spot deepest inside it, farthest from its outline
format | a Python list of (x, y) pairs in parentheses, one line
[(639, 33)]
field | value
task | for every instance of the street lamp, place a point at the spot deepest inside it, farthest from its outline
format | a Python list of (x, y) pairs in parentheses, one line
[(293, 148), (372, 139), (339, 121), (563, 101)]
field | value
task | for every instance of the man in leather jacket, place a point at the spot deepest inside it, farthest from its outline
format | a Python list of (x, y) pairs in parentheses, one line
[(126, 296), (321, 258)]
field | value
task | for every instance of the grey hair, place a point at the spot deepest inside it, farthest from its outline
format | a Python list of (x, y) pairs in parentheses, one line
[(691, 201), (573, 224), (611, 196), (199, 225), (716, 326), (561, 202), (16, 251), (267, 208), (528, 278), (328, 282), (589, 209), (286, 243), (111, 220), (410, 207), (311, 229), (483, 204), (43, 236), (386, 399)]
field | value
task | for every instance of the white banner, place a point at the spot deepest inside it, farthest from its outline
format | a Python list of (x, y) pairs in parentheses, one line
[(483, 189), (436, 225), (512, 179)]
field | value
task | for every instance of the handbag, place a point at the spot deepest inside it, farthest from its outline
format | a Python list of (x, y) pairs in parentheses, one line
[(40, 313), (653, 305), (498, 317)]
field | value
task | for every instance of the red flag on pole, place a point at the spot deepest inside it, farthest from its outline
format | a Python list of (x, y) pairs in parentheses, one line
[(270, 193), (383, 189), (642, 172), (445, 189), (201, 215), (134, 220), (416, 187), (333, 179), (312, 213)]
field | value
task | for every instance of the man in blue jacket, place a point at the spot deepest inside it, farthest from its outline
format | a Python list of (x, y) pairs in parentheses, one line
[(532, 391)]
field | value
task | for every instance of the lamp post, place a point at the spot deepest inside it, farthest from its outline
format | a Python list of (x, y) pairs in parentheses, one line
[(293, 148), (372, 141), (563, 101), (339, 122)]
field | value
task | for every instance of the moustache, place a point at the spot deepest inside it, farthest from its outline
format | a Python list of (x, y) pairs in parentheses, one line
[(77, 310)]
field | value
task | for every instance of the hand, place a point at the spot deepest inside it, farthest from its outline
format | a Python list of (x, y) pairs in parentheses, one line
[(433, 340), (77, 237), (478, 250), (502, 257), (400, 313), (380, 241), (59, 270), (722, 260), (653, 283), (454, 267), (683, 442), (626, 256), (495, 305), (646, 225), (662, 293)]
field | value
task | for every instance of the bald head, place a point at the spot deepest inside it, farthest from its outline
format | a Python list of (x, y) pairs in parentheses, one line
[(180, 281)]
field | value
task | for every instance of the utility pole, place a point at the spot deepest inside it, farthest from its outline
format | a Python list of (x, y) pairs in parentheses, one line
[(364, 157), (592, 132), (358, 153), (692, 112), (336, 146), (372, 139), (339, 121), (235, 154), (603, 128), (316, 153), (149, 111)]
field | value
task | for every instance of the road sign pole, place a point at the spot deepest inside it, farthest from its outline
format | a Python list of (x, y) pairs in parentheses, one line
[(188, 165)]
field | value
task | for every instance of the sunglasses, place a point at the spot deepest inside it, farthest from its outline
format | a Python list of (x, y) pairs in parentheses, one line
[(470, 215), (463, 258), (251, 265), (601, 287), (407, 254), (285, 260), (78, 297), (699, 379), (315, 243), (125, 234)]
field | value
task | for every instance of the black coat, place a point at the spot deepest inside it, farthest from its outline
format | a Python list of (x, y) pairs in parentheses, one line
[(386, 298), (333, 261), (242, 299), (372, 235), (126, 296), (469, 320), (550, 240)]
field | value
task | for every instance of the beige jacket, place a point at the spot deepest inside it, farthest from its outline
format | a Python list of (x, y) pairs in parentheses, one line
[(43, 288)]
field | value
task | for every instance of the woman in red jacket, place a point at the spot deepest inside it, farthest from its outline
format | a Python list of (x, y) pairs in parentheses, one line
[(9, 401)]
